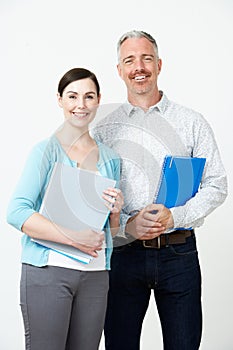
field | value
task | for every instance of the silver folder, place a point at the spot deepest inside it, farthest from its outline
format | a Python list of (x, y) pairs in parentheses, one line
[(73, 199)]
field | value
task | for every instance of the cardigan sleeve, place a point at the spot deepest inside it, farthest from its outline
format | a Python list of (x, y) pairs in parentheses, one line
[(26, 198)]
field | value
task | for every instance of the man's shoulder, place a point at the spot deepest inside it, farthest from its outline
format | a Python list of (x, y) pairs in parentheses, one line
[(182, 108), (105, 126), (112, 116)]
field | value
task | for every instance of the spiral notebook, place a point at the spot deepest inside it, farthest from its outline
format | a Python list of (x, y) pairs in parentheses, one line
[(73, 199), (180, 180)]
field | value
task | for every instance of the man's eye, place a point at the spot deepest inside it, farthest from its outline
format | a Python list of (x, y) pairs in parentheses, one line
[(148, 58), (128, 61)]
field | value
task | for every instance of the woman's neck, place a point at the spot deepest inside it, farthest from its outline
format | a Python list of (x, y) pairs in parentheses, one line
[(79, 147), (70, 136)]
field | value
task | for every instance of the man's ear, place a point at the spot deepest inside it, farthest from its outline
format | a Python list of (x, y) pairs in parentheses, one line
[(119, 69), (159, 65)]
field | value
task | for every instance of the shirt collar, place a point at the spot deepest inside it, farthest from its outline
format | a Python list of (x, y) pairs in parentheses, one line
[(160, 106)]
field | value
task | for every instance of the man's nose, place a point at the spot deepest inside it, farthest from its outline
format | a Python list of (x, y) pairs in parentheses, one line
[(139, 65)]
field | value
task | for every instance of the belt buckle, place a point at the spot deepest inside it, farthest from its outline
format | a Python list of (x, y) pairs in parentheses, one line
[(151, 246)]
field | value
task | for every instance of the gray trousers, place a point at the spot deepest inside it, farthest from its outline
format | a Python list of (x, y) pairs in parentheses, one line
[(63, 309)]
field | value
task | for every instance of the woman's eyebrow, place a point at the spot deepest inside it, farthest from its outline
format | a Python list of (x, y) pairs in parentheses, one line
[(87, 92)]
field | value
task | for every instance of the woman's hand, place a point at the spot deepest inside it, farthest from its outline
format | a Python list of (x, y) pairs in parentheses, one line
[(89, 241), (114, 200), (39, 227)]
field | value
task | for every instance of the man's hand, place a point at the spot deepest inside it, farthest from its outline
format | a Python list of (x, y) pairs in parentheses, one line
[(150, 222)]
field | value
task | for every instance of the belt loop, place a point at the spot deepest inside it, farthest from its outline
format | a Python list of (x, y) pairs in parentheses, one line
[(159, 242), (167, 239)]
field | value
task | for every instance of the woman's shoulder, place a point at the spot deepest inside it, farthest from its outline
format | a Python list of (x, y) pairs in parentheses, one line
[(41, 145), (107, 151), (47, 144)]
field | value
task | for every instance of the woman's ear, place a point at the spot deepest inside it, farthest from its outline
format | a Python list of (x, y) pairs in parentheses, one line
[(59, 100)]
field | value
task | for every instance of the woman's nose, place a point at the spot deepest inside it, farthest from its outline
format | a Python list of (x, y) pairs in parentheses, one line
[(80, 103)]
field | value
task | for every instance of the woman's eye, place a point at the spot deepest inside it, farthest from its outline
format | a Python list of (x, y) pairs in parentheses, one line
[(72, 97), (89, 97)]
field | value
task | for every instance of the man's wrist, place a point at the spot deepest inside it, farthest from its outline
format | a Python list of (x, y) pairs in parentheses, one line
[(130, 226)]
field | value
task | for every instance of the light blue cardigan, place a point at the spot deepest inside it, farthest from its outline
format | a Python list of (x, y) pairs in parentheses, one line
[(31, 187)]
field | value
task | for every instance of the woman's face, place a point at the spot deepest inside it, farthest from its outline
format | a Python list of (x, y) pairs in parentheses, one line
[(79, 102)]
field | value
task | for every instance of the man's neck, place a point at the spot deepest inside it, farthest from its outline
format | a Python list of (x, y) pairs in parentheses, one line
[(145, 101)]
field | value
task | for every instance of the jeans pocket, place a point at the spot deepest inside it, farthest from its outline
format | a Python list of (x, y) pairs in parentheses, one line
[(185, 248)]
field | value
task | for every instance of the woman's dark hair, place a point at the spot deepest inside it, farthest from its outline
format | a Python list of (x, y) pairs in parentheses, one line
[(77, 74)]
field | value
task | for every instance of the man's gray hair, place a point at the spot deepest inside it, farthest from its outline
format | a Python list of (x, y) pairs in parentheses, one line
[(136, 34)]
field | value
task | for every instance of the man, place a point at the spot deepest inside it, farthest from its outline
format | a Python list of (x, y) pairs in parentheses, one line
[(156, 249)]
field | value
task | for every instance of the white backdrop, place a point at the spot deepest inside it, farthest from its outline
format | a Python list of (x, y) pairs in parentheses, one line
[(41, 40)]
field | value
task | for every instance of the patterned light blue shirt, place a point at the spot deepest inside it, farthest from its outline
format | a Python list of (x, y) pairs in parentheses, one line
[(143, 139)]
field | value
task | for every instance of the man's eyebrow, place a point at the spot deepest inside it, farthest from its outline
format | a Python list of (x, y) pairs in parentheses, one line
[(147, 55), (143, 55), (126, 58)]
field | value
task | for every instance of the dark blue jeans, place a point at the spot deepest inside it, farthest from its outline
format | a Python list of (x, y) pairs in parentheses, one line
[(173, 273)]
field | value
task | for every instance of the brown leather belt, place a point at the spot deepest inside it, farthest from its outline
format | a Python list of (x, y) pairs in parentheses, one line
[(164, 240)]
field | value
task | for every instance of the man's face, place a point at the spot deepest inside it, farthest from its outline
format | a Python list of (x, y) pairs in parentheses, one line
[(139, 66)]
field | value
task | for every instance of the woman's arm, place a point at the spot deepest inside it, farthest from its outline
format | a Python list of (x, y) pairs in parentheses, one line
[(24, 206), (39, 227)]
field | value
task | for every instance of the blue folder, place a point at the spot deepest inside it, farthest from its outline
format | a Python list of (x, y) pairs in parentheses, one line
[(180, 180)]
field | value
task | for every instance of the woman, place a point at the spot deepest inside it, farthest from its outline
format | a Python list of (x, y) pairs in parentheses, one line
[(63, 301)]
